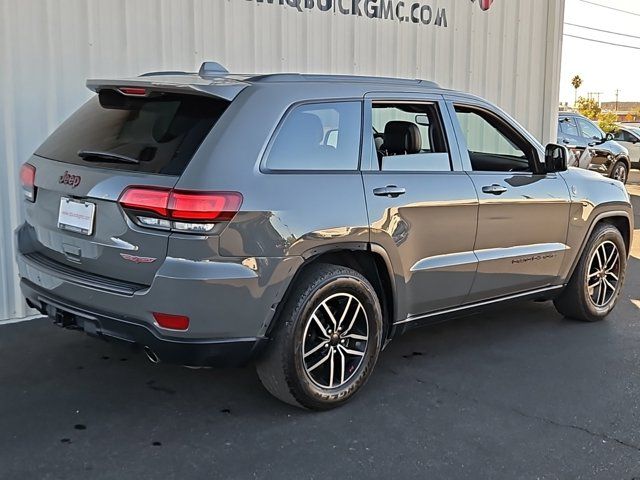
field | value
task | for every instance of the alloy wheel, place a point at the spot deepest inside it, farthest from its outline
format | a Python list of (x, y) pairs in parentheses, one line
[(604, 274), (335, 340), (620, 173)]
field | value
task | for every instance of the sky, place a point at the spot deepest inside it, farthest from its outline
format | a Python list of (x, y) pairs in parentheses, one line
[(603, 68)]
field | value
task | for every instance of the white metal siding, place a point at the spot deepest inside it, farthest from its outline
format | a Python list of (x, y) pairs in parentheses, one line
[(509, 55)]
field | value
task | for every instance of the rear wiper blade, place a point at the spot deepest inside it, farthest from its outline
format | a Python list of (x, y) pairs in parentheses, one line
[(108, 156)]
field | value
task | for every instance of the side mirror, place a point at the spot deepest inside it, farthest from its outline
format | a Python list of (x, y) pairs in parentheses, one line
[(556, 158)]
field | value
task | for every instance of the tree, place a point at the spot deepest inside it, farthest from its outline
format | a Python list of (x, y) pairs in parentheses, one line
[(577, 83), (588, 107), (608, 122)]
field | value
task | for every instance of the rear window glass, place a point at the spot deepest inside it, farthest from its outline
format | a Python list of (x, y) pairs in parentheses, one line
[(156, 134), (323, 136)]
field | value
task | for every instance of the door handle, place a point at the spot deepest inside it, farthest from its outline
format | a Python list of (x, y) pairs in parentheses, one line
[(390, 191), (494, 189)]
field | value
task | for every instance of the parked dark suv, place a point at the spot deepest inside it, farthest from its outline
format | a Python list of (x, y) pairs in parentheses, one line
[(303, 221), (594, 149)]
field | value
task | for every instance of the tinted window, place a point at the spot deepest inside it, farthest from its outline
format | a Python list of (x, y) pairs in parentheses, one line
[(323, 136), (568, 126), (624, 136), (493, 145), (409, 137), (589, 130), (157, 134)]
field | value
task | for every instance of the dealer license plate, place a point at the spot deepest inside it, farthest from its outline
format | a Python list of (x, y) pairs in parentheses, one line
[(76, 216)]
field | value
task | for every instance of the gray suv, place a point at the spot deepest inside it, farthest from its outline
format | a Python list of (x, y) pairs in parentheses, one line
[(303, 221)]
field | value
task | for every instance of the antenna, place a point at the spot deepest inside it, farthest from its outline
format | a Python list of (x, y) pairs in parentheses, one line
[(212, 69)]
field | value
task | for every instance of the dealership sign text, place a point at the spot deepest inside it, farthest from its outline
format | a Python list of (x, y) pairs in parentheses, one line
[(398, 10)]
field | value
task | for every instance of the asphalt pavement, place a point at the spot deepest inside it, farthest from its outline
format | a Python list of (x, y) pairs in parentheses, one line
[(513, 393)]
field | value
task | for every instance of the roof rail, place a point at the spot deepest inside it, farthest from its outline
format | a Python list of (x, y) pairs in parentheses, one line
[(277, 77), (211, 68), (296, 77), (168, 72)]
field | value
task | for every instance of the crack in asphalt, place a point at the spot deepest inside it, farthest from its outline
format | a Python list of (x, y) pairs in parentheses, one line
[(549, 421)]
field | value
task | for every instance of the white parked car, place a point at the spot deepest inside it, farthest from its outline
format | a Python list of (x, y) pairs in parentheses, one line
[(628, 135)]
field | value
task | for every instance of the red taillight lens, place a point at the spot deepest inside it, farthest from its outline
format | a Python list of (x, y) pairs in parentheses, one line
[(188, 210), (27, 179), (146, 199), (173, 322), (204, 207)]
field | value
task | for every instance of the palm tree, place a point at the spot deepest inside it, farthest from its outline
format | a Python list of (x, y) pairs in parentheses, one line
[(577, 83)]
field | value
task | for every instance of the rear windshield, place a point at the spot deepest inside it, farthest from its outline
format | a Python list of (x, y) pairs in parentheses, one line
[(155, 134)]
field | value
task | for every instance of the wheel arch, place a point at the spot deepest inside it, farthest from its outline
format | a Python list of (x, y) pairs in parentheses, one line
[(621, 219), (623, 158), (369, 260)]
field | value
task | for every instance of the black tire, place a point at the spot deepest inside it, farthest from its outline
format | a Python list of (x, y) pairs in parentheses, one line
[(282, 368), (620, 171), (576, 301)]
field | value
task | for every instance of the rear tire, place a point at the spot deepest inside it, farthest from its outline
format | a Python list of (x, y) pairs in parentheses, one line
[(620, 172), (594, 287), (327, 341)]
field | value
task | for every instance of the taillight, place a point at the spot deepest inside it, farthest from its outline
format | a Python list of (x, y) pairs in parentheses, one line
[(27, 178), (204, 206), (173, 322), (133, 91), (181, 210)]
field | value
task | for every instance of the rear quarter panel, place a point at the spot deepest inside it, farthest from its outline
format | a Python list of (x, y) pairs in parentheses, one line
[(283, 213)]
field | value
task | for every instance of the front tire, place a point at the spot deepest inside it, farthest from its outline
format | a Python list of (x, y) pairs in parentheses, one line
[(327, 341), (620, 172), (596, 283)]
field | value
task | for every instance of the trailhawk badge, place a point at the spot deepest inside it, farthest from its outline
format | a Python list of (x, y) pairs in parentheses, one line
[(136, 259)]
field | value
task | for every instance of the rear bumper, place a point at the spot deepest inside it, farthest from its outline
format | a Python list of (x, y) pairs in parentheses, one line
[(230, 303), (223, 297), (191, 352)]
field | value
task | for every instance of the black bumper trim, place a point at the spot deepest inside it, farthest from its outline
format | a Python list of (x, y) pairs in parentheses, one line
[(196, 352), (78, 277)]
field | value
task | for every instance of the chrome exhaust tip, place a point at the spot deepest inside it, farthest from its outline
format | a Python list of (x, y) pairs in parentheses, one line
[(151, 355)]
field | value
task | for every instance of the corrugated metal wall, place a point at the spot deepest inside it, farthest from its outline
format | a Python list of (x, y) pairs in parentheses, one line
[(509, 54)]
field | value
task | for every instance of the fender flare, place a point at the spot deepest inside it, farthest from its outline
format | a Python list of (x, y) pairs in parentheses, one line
[(597, 219)]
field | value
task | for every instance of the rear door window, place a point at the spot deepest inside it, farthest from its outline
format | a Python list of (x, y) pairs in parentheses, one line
[(320, 136), (155, 134), (409, 137)]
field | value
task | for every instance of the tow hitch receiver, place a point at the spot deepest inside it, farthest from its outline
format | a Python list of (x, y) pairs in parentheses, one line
[(62, 319)]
